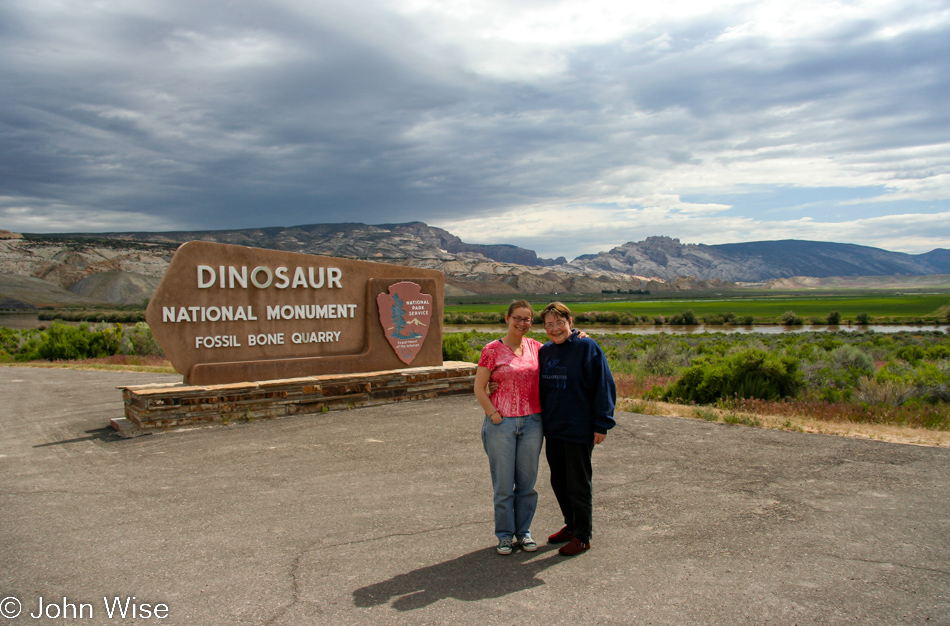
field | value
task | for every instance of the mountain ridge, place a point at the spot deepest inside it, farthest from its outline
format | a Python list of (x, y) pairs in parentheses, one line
[(124, 264), (759, 261)]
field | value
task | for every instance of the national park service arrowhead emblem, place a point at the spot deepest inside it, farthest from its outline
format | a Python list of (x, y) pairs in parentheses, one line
[(405, 313)]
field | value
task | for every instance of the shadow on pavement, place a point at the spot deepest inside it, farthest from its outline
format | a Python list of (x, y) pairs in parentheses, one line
[(107, 434), (475, 576)]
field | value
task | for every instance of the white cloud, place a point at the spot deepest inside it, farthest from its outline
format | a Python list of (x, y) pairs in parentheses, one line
[(574, 230), (68, 219), (504, 122)]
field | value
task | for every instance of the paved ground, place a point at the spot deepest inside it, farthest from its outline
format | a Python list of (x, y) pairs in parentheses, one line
[(383, 515)]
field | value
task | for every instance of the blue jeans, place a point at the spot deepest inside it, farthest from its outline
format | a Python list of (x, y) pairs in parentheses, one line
[(513, 449)]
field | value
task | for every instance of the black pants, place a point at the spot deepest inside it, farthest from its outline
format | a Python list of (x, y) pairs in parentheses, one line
[(571, 481)]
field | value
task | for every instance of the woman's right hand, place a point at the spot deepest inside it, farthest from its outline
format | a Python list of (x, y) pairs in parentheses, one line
[(494, 415)]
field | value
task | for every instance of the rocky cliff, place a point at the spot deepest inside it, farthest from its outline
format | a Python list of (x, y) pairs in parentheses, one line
[(124, 267)]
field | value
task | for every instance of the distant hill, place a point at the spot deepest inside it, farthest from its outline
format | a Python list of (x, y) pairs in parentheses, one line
[(760, 261), (445, 240), (939, 258), (19, 293), (123, 267), (117, 287), (362, 241), (113, 266)]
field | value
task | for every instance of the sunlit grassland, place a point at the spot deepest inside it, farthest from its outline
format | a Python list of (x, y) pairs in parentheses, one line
[(881, 307)]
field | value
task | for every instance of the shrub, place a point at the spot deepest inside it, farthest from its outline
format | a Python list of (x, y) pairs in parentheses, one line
[(19, 345), (720, 319), (660, 359), (834, 318), (709, 415), (938, 352), (834, 375), (911, 354), (686, 318), (140, 341), (744, 420), (893, 392), (851, 358), (863, 318), (488, 317), (63, 342), (750, 373), (789, 318), (456, 347)]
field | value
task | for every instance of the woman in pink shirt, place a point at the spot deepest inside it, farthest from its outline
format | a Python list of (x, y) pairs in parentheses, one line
[(512, 433)]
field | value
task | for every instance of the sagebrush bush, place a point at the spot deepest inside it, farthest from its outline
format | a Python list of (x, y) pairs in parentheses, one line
[(138, 340), (660, 359), (851, 358)]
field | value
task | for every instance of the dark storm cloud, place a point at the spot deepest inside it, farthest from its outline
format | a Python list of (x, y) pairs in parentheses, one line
[(187, 115)]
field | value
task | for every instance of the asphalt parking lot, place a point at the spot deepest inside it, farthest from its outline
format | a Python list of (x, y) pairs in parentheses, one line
[(383, 516)]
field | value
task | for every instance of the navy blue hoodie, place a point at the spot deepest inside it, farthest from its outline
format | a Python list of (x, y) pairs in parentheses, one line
[(578, 393)]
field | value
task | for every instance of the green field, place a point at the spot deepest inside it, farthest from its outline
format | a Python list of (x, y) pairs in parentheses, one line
[(880, 307)]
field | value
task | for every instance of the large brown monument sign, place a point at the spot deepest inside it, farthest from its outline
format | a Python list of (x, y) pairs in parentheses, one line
[(228, 314)]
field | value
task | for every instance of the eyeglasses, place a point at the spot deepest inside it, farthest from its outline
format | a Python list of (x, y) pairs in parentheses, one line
[(558, 324), (520, 320)]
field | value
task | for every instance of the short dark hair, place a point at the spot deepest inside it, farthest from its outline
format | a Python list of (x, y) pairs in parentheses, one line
[(558, 309)]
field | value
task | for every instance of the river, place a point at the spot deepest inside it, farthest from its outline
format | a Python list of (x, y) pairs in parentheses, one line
[(29, 320), (609, 329)]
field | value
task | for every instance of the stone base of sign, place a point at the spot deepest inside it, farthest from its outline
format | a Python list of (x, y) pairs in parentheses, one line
[(149, 408)]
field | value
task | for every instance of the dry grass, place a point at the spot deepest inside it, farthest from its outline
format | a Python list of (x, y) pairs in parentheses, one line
[(116, 363), (792, 420), (635, 386)]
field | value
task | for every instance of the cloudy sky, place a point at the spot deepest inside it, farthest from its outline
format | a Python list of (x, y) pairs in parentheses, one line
[(565, 127)]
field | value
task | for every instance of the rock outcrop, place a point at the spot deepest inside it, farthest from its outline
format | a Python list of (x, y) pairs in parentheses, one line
[(123, 267)]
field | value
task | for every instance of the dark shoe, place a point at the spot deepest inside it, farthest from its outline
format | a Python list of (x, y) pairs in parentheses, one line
[(561, 536), (575, 547), (504, 546)]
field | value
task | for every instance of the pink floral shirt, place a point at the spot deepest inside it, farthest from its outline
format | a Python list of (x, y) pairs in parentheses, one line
[(517, 377)]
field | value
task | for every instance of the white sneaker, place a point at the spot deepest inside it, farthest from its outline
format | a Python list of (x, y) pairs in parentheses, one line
[(504, 546), (528, 544)]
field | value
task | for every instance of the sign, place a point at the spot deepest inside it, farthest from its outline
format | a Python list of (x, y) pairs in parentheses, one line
[(404, 313), (226, 313)]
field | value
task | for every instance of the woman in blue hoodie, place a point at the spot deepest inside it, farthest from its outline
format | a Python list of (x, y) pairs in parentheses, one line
[(578, 395)]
